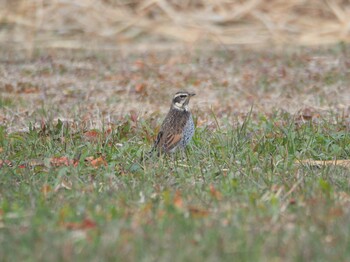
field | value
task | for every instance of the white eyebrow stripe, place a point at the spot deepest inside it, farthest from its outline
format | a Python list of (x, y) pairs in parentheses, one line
[(181, 94)]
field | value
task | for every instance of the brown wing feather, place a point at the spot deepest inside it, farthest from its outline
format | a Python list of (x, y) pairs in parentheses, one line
[(171, 141), (166, 142)]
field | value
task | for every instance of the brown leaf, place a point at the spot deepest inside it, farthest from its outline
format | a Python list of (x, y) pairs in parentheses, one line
[(75, 162), (225, 83), (292, 201), (66, 184), (27, 88), (336, 211), (215, 193), (108, 131), (139, 64), (96, 162), (9, 88), (275, 188), (133, 116), (282, 72), (307, 114), (201, 122), (178, 203), (197, 82), (34, 163), (82, 225), (198, 212), (43, 126), (113, 78), (140, 88), (60, 161), (92, 135), (46, 189), (343, 197), (5, 162), (89, 158), (63, 161)]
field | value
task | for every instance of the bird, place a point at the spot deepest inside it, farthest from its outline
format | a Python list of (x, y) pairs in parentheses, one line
[(177, 128)]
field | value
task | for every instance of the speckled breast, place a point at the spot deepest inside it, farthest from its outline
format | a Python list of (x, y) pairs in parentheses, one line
[(188, 132)]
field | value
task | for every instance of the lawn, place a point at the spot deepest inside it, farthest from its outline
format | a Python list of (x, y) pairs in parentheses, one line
[(75, 125)]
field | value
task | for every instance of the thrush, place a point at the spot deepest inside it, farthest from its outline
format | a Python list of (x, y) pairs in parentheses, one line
[(177, 128)]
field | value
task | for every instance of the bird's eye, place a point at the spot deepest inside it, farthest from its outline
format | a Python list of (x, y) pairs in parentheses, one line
[(183, 96)]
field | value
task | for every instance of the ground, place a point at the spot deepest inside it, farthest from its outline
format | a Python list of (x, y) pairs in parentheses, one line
[(75, 125)]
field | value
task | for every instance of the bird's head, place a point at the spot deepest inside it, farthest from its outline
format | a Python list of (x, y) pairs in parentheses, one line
[(181, 100)]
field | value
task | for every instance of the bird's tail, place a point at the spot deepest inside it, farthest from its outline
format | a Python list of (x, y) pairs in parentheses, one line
[(147, 155)]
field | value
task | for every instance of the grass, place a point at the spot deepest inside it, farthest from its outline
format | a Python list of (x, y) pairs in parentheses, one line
[(75, 125), (238, 193)]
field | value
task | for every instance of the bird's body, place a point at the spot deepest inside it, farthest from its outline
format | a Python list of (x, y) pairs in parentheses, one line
[(177, 128)]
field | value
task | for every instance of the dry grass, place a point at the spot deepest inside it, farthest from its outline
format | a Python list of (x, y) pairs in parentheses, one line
[(73, 24)]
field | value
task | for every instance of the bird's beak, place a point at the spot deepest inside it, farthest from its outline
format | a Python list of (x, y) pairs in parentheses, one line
[(192, 94)]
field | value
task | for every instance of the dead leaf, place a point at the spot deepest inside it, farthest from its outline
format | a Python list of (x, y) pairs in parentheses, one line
[(115, 78), (89, 158), (133, 116), (292, 201), (139, 64), (34, 163), (225, 171), (75, 162), (83, 225), (46, 189), (27, 88), (307, 114), (9, 88), (178, 203), (60, 161), (201, 122), (336, 211), (343, 197), (96, 162), (1, 150), (108, 131), (275, 188), (63, 161), (197, 82), (65, 183), (92, 135), (215, 193), (198, 212), (43, 125), (140, 88), (224, 83), (2, 118), (282, 72), (5, 162)]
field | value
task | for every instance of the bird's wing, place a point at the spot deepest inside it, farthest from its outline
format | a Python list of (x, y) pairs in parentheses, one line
[(166, 141), (170, 141)]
